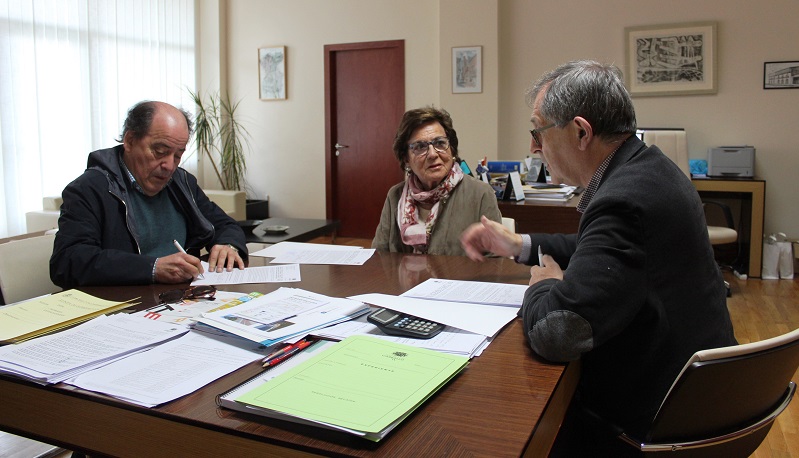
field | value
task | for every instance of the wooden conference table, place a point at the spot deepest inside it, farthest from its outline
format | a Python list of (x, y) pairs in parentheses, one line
[(508, 402)]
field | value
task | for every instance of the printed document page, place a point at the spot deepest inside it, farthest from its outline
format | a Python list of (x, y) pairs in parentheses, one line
[(280, 248), (450, 340), (337, 257), (282, 314), (55, 357), (482, 319), (170, 370), (476, 292), (263, 274)]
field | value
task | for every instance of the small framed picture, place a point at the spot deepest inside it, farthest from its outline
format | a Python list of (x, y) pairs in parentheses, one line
[(272, 73), (467, 69), (781, 75), (672, 59)]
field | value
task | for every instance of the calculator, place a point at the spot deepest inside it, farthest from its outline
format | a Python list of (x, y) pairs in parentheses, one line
[(404, 325)]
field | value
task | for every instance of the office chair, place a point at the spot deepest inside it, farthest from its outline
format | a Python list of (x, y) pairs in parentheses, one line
[(25, 274), (25, 268), (725, 400)]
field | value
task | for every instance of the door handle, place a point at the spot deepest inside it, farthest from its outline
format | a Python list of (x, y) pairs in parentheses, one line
[(339, 147)]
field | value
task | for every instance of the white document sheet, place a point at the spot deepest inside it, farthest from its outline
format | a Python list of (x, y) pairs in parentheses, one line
[(170, 370), (56, 357), (264, 274), (481, 319), (450, 340), (476, 292), (283, 314), (338, 257), (280, 248)]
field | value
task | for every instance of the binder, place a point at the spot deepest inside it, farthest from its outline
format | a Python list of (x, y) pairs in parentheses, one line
[(309, 390)]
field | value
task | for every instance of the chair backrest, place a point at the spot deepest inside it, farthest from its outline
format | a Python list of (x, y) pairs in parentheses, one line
[(722, 390), (25, 268), (672, 142)]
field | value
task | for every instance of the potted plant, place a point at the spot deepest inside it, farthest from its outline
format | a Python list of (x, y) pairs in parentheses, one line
[(218, 133)]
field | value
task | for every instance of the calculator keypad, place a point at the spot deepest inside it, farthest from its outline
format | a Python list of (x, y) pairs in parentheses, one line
[(417, 325)]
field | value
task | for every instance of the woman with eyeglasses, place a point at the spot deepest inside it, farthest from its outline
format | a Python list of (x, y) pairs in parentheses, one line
[(427, 212)]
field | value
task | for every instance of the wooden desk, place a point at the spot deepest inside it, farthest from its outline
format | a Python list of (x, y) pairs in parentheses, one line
[(750, 231), (300, 230), (562, 217), (508, 402), (536, 216)]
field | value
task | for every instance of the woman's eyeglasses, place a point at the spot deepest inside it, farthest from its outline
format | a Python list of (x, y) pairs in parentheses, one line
[(440, 144), (195, 292)]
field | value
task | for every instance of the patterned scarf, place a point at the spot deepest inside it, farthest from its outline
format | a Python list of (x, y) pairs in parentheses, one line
[(416, 233)]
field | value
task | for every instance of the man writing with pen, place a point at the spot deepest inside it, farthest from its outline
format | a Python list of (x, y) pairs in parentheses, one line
[(127, 219)]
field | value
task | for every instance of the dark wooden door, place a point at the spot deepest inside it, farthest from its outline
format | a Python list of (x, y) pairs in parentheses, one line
[(364, 102)]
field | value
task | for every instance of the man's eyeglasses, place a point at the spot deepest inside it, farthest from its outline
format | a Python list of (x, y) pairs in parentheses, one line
[(536, 133), (440, 144), (195, 292)]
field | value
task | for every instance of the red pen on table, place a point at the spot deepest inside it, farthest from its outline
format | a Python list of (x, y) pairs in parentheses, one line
[(301, 345), (277, 353)]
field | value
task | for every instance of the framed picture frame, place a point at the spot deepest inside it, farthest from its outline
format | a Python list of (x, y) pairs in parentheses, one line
[(671, 59), (272, 73), (781, 75), (467, 69)]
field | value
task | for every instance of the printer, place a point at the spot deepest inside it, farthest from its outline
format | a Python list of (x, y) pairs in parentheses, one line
[(731, 161)]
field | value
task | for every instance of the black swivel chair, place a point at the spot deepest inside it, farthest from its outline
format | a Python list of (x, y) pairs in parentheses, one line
[(724, 401)]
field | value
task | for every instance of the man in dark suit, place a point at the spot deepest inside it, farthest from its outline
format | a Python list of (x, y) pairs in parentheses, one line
[(636, 291)]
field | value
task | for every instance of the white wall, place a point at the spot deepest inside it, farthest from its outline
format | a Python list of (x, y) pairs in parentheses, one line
[(288, 159), (536, 36), (521, 39)]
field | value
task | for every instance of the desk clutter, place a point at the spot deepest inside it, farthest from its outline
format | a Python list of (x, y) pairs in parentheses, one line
[(324, 363)]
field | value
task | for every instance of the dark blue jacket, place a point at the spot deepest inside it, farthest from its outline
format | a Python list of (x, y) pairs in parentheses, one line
[(97, 238), (641, 291)]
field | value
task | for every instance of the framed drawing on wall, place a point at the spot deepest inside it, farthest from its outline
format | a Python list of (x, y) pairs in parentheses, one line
[(272, 73), (673, 59), (781, 75), (467, 69)]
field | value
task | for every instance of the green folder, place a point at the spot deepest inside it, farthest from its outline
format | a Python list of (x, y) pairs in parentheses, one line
[(362, 385)]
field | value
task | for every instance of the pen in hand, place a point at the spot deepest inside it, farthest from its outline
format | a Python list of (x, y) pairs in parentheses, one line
[(180, 248), (540, 257)]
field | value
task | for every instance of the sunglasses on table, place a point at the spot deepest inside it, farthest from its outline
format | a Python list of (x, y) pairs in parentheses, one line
[(195, 292)]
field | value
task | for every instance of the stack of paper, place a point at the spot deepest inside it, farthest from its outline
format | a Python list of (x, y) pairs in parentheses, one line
[(187, 311), (361, 385), (57, 357), (282, 315), (170, 370), (25, 320), (450, 340), (549, 192)]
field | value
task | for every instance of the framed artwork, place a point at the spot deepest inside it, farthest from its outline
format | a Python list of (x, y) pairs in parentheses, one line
[(673, 59), (272, 73), (467, 69), (781, 75)]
